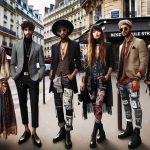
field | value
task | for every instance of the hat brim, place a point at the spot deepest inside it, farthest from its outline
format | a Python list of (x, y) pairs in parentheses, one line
[(64, 23)]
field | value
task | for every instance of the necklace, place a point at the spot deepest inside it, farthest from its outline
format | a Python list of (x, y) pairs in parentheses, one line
[(27, 50), (63, 48)]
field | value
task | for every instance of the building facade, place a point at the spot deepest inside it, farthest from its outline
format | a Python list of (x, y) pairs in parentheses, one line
[(64, 9), (108, 13), (13, 13)]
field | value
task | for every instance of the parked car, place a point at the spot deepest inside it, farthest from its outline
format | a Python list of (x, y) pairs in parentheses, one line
[(47, 69)]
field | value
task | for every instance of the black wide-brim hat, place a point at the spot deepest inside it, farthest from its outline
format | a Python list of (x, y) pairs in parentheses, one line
[(64, 23)]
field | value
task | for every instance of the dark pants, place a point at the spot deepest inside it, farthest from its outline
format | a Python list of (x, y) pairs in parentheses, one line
[(22, 84)]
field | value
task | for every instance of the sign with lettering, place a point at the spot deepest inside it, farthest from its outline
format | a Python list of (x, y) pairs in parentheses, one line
[(135, 33), (114, 13)]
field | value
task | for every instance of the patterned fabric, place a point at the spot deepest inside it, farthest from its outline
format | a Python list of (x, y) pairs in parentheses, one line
[(65, 99), (8, 123), (63, 67), (131, 100)]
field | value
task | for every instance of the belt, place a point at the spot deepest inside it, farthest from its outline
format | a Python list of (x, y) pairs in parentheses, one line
[(25, 73)]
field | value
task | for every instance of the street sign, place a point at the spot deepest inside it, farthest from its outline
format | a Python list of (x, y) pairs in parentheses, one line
[(114, 13)]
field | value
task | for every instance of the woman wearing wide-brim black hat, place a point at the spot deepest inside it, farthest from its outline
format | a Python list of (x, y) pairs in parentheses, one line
[(64, 67), (64, 23)]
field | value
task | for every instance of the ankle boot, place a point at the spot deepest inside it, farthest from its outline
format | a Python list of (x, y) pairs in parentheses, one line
[(101, 135), (135, 140), (60, 136), (68, 142), (93, 136), (128, 131)]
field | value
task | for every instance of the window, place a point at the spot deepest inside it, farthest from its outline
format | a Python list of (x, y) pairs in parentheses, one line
[(11, 27), (138, 8), (148, 7)]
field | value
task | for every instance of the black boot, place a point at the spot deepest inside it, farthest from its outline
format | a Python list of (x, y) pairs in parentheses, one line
[(60, 136), (135, 140), (93, 136), (68, 142), (101, 135), (128, 131)]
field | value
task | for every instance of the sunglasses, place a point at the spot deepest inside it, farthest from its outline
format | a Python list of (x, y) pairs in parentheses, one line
[(62, 29), (123, 29)]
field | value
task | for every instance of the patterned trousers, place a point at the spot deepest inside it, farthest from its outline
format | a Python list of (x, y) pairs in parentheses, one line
[(131, 100), (64, 98)]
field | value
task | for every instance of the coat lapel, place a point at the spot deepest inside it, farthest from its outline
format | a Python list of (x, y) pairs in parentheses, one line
[(21, 49), (70, 51), (57, 49), (131, 45), (32, 49)]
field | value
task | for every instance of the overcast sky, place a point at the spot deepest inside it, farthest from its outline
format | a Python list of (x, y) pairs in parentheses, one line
[(40, 4)]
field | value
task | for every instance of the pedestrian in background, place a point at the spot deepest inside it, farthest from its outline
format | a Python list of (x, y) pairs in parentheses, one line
[(65, 65), (97, 80), (25, 55), (132, 66), (8, 123)]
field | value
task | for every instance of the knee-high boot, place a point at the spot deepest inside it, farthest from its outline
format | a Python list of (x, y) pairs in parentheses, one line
[(93, 136), (60, 136), (135, 140), (68, 142), (101, 135), (128, 131)]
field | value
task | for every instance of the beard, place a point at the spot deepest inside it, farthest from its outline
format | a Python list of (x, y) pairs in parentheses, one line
[(128, 34), (27, 36), (64, 39)]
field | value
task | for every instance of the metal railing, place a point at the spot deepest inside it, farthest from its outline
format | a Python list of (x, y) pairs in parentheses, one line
[(38, 34), (4, 29), (8, 6), (24, 14)]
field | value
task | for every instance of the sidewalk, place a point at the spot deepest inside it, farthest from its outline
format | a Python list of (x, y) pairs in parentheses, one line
[(82, 128)]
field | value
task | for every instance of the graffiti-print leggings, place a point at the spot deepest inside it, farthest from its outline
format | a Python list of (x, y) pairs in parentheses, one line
[(131, 99), (98, 95), (64, 98)]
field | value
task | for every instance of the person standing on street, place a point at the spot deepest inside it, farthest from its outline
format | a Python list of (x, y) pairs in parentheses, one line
[(25, 55), (132, 66), (65, 65), (97, 80)]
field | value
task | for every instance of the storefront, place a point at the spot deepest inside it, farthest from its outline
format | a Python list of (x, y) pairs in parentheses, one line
[(141, 29)]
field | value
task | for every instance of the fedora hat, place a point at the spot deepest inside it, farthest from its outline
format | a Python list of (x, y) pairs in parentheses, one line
[(64, 23)]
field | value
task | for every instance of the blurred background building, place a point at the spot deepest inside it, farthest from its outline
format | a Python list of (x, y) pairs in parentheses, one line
[(12, 14)]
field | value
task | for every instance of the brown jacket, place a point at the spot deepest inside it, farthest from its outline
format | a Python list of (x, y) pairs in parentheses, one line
[(136, 58)]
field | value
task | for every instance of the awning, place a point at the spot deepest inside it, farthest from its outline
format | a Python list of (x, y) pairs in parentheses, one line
[(141, 27)]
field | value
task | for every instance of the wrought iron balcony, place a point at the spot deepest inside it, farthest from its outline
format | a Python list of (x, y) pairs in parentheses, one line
[(83, 1), (64, 16), (79, 29), (4, 29), (51, 38), (24, 14), (63, 9), (38, 34), (8, 6)]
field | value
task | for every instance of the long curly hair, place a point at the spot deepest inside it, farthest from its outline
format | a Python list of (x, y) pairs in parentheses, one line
[(92, 45)]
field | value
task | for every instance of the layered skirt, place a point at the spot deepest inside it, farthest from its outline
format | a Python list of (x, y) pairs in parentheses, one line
[(8, 123)]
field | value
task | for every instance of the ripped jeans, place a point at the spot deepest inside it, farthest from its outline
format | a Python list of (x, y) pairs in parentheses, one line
[(131, 99), (63, 96)]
